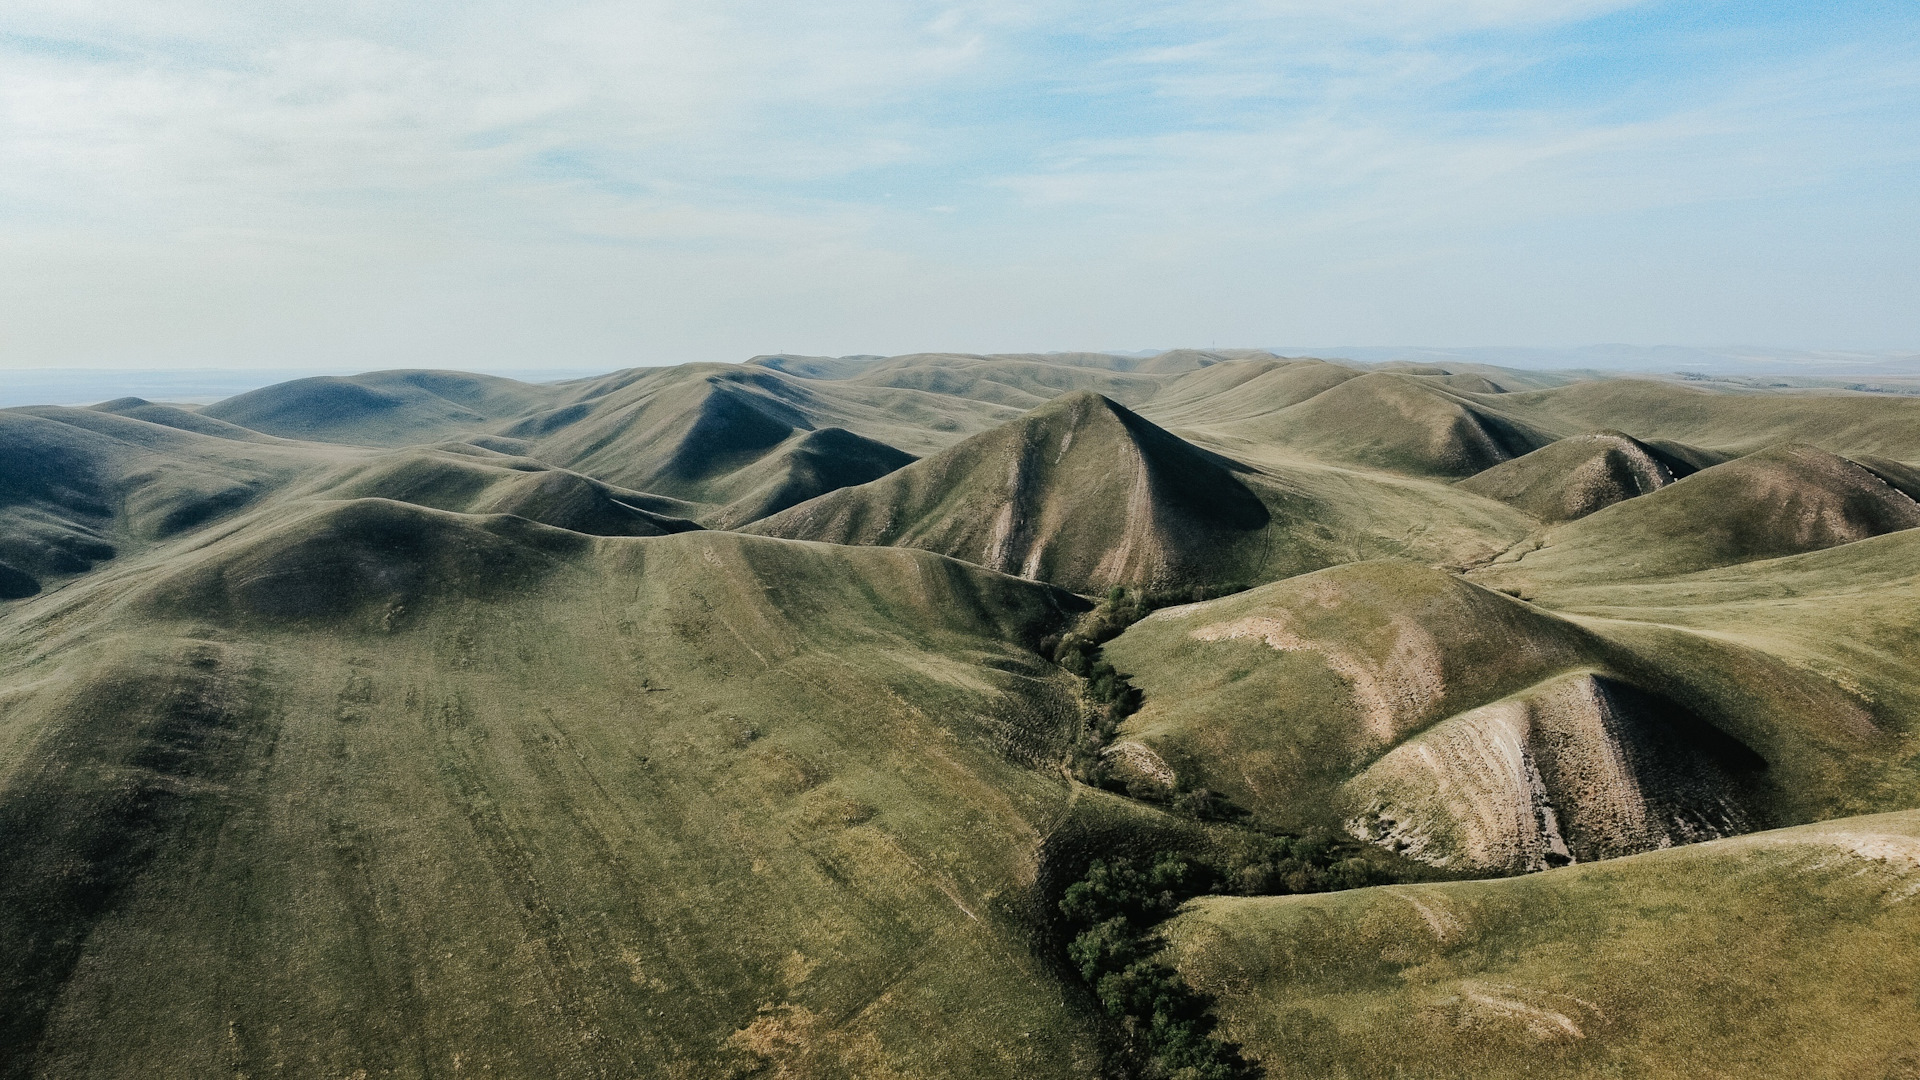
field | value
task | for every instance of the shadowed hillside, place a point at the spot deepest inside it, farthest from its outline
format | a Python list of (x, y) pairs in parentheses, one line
[(1082, 493), (79, 486), (715, 434), (1431, 715), (176, 417), (1576, 769), (805, 467), (1276, 696)]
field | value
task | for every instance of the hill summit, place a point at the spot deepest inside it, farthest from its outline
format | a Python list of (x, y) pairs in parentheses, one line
[(1082, 492)]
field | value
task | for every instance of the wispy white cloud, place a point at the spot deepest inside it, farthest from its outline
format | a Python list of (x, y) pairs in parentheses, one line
[(237, 182)]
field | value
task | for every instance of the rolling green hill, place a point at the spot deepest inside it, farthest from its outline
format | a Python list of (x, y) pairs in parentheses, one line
[(824, 717), (1401, 423), (382, 408), (1575, 476), (1779, 501), (382, 788), (1783, 953)]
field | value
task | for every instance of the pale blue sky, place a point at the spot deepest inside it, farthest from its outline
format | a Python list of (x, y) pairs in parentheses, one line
[(588, 185)]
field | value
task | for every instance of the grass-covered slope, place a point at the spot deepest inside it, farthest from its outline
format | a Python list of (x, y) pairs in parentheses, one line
[(1277, 696), (1780, 501), (381, 408), (1081, 492), (713, 433), (1020, 382), (804, 467), (176, 417), (1445, 720), (1783, 953), (470, 480), (1575, 476), (1400, 423), (1227, 394), (79, 486), (391, 790), (1885, 425)]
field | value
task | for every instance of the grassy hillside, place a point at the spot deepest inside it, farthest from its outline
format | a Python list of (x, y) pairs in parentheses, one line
[(426, 724), (390, 789), (1082, 492), (1277, 696), (382, 408), (1575, 476), (80, 486), (1728, 420), (1436, 717), (470, 480), (1784, 953), (1402, 423), (805, 467), (1780, 501), (1248, 391), (713, 434)]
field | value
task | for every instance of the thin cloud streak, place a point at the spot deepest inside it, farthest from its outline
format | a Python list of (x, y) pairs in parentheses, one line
[(617, 183)]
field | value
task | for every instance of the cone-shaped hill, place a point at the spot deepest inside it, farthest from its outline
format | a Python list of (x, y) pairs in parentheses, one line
[(1575, 476), (1780, 501), (1081, 492), (674, 438)]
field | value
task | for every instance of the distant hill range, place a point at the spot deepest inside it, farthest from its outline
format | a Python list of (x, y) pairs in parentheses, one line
[(1381, 713)]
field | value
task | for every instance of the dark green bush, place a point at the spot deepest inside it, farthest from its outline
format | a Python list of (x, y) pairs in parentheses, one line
[(1113, 910)]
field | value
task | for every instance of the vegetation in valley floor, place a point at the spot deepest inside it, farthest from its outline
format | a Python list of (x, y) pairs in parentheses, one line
[(1109, 697), (1114, 911)]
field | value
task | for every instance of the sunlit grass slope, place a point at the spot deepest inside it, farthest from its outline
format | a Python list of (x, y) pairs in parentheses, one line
[(1439, 717), (1081, 492), (1780, 501), (1575, 476), (394, 790), (1086, 494), (381, 408), (1785, 953), (1737, 422), (1400, 423)]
